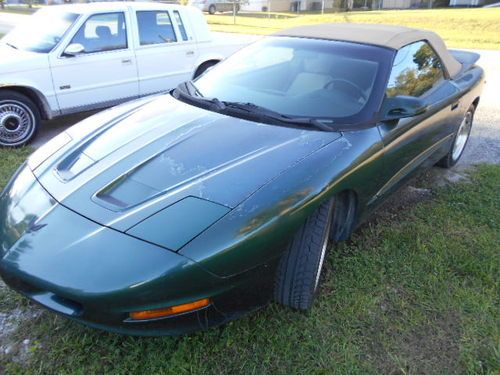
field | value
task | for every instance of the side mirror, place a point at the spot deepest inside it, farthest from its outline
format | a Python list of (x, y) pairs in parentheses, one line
[(400, 106), (74, 49)]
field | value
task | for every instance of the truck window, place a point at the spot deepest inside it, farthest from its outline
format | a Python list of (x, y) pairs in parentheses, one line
[(155, 27), (180, 24), (416, 69), (102, 32)]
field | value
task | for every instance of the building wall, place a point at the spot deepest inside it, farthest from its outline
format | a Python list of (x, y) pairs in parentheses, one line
[(396, 4), (275, 5), (464, 3), (282, 5)]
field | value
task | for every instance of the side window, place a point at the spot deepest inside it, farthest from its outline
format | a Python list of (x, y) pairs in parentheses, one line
[(180, 25), (415, 71), (155, 27), (102, 32)]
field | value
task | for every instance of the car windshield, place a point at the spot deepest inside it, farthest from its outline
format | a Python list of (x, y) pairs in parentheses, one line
[(41, 32), (299, 77)]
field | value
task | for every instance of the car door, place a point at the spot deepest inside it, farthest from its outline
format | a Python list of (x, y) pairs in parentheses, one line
[(165, 51), (104, 73), (420, 140)]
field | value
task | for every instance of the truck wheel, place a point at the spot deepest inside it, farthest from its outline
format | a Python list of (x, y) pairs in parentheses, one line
[(212, 9), (299, 270), (459, 141), (19, 119)]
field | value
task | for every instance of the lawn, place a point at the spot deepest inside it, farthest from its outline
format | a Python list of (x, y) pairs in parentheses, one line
[(461, 28), (20, 9), (414, 292), (477, 28)]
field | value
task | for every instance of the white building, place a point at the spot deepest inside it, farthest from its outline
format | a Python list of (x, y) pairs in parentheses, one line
[(466, 3)]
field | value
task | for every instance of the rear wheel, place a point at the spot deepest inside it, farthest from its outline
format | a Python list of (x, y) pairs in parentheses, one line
[(212, 9), (459, 141), (300, 267), (19, 119)]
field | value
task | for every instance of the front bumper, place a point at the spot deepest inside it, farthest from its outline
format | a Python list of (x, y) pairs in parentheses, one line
[(97, 275)]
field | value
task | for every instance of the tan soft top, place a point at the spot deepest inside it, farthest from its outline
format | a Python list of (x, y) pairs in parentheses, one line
[(388, 36)]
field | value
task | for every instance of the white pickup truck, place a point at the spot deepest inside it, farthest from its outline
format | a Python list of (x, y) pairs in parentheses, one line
[(73, 58)]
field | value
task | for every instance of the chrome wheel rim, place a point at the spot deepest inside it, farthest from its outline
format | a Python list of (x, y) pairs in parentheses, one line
[(462, 136), (322, 256), (16, 123)]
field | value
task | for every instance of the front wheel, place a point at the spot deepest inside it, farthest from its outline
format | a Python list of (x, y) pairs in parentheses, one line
[(212, 9), (299, 270), (459, 141), (19, 119)]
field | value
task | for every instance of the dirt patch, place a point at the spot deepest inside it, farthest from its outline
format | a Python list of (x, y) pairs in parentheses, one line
[(429, 347), (12, 347), (419, 189)]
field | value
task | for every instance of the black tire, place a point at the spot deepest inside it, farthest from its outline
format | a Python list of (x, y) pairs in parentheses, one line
[(212, 9), (299, 270), (19, 119), (454, 154), (203, 68), (344, 212)]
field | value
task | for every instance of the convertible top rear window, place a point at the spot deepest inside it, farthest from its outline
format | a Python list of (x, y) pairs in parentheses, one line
[(299, 77)]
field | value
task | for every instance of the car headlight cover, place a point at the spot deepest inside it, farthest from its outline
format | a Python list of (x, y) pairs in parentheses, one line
[(179, 223)]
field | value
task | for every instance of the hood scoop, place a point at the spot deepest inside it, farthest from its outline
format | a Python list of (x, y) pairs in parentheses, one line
[(170, 171), (164, 151)]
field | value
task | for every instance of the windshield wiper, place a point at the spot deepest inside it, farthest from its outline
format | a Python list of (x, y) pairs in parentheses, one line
[(276, 116), (190, 92), (11, 46)]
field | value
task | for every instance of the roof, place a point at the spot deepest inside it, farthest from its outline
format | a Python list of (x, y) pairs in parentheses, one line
[(389, 36)]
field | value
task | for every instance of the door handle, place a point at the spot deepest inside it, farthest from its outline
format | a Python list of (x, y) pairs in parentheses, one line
[(190, 53), (126, 61), (455, 106)]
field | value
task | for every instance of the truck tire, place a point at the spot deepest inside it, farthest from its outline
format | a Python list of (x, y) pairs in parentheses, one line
[(459, 140), (299, 270), (19, 119), (212, 9)]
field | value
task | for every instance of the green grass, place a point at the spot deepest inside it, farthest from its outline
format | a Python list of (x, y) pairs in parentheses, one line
[(10, 160), (461, 28), (20, 9), (414, 293), (477, 28)]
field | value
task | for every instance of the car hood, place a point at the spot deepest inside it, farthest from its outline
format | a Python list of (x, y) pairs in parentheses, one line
[(124, 165), (15, 61)]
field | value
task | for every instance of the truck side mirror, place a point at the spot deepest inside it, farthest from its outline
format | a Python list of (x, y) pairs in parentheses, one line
[(74, 49)]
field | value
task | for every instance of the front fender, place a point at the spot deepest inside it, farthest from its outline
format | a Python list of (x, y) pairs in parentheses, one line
[(259, 229), (49, 105)]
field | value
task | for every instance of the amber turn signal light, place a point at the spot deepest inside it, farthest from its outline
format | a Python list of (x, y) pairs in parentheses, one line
[(167, 311)]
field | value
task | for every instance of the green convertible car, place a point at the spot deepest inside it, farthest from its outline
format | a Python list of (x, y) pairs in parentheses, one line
[(184, 210)]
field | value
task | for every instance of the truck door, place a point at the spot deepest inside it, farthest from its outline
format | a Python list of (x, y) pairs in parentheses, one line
[(104, 72), (165, 51)]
